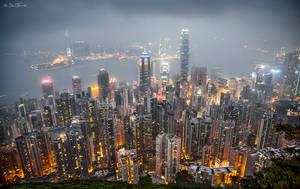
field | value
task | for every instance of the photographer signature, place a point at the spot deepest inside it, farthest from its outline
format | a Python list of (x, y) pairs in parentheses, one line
[(14, 5)]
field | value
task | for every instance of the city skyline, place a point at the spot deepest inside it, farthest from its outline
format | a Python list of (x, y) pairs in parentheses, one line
[(186, 94)]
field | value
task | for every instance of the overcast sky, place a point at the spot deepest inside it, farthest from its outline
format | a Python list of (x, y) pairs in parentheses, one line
[(42, 23), (219, 31)]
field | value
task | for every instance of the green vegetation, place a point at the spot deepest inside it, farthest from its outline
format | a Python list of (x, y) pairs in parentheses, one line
[(282, 174), (185, 180), (97, 184)]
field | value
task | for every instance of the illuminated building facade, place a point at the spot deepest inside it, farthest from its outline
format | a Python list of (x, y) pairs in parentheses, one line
[(47, 88), (266, 135), (77, 89), (214, 176), (149, 127), (184, 55), (192, 138), (70, 155), (47, 116), (35, 118), (144, 72), (65, 105), (29, 155), (46, 152), (22, 119), (168, 150), (11, 168), (128, 167), (103, 85), (110, 140), (290, 76), (164, 72)]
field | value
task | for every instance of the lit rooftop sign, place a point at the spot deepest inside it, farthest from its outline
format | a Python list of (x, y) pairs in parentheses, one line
[(46, 81)]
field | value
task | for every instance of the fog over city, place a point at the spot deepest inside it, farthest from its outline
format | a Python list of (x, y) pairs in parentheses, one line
[(150, 94), (227, 34)]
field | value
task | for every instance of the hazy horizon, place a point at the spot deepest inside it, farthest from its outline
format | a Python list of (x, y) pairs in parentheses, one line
[(219, 30)]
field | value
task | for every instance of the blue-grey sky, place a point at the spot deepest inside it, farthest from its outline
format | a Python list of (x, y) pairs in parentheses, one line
[(42, 22), (219, 30)]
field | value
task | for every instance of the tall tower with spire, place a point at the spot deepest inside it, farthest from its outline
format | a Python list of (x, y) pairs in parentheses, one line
[(184, 55), (144, 72), (68, 44)]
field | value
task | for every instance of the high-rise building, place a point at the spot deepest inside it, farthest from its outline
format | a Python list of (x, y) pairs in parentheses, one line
[(268, 85), (35, 119), (203, 174), (148, 150), (191, 138), (198, 81), (164, 72), (160, 153), (76, 82), (68, 44), (184, 55), (142, 134), (173, 157), (46, 152), (22, 119), (266, 133), (238, 158), (110, 140), (128, 165), (224, 141), (70, 154), (47, 88), (30, 156), (199, 77), (290, 78), (144, 72), (65, 105), (10, 169), (168, 148), (47, 116), (128, 130), (103, 85)]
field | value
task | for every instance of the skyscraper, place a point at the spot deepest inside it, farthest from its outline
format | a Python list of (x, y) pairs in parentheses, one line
[(10, 169), (164, 72), (35, 120), (47, 88), (144, 72), (290, 75), (22, 119), (199, 77), (47, 116), (76, 82), (168, 148), (184, 54), (29, 154), (103, 85), (68, 44), (128, 165), (110, 140), (65, 109), (198, 81), (69, 149)]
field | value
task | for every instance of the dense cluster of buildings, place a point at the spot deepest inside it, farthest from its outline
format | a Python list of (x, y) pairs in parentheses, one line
[(214, 127)]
